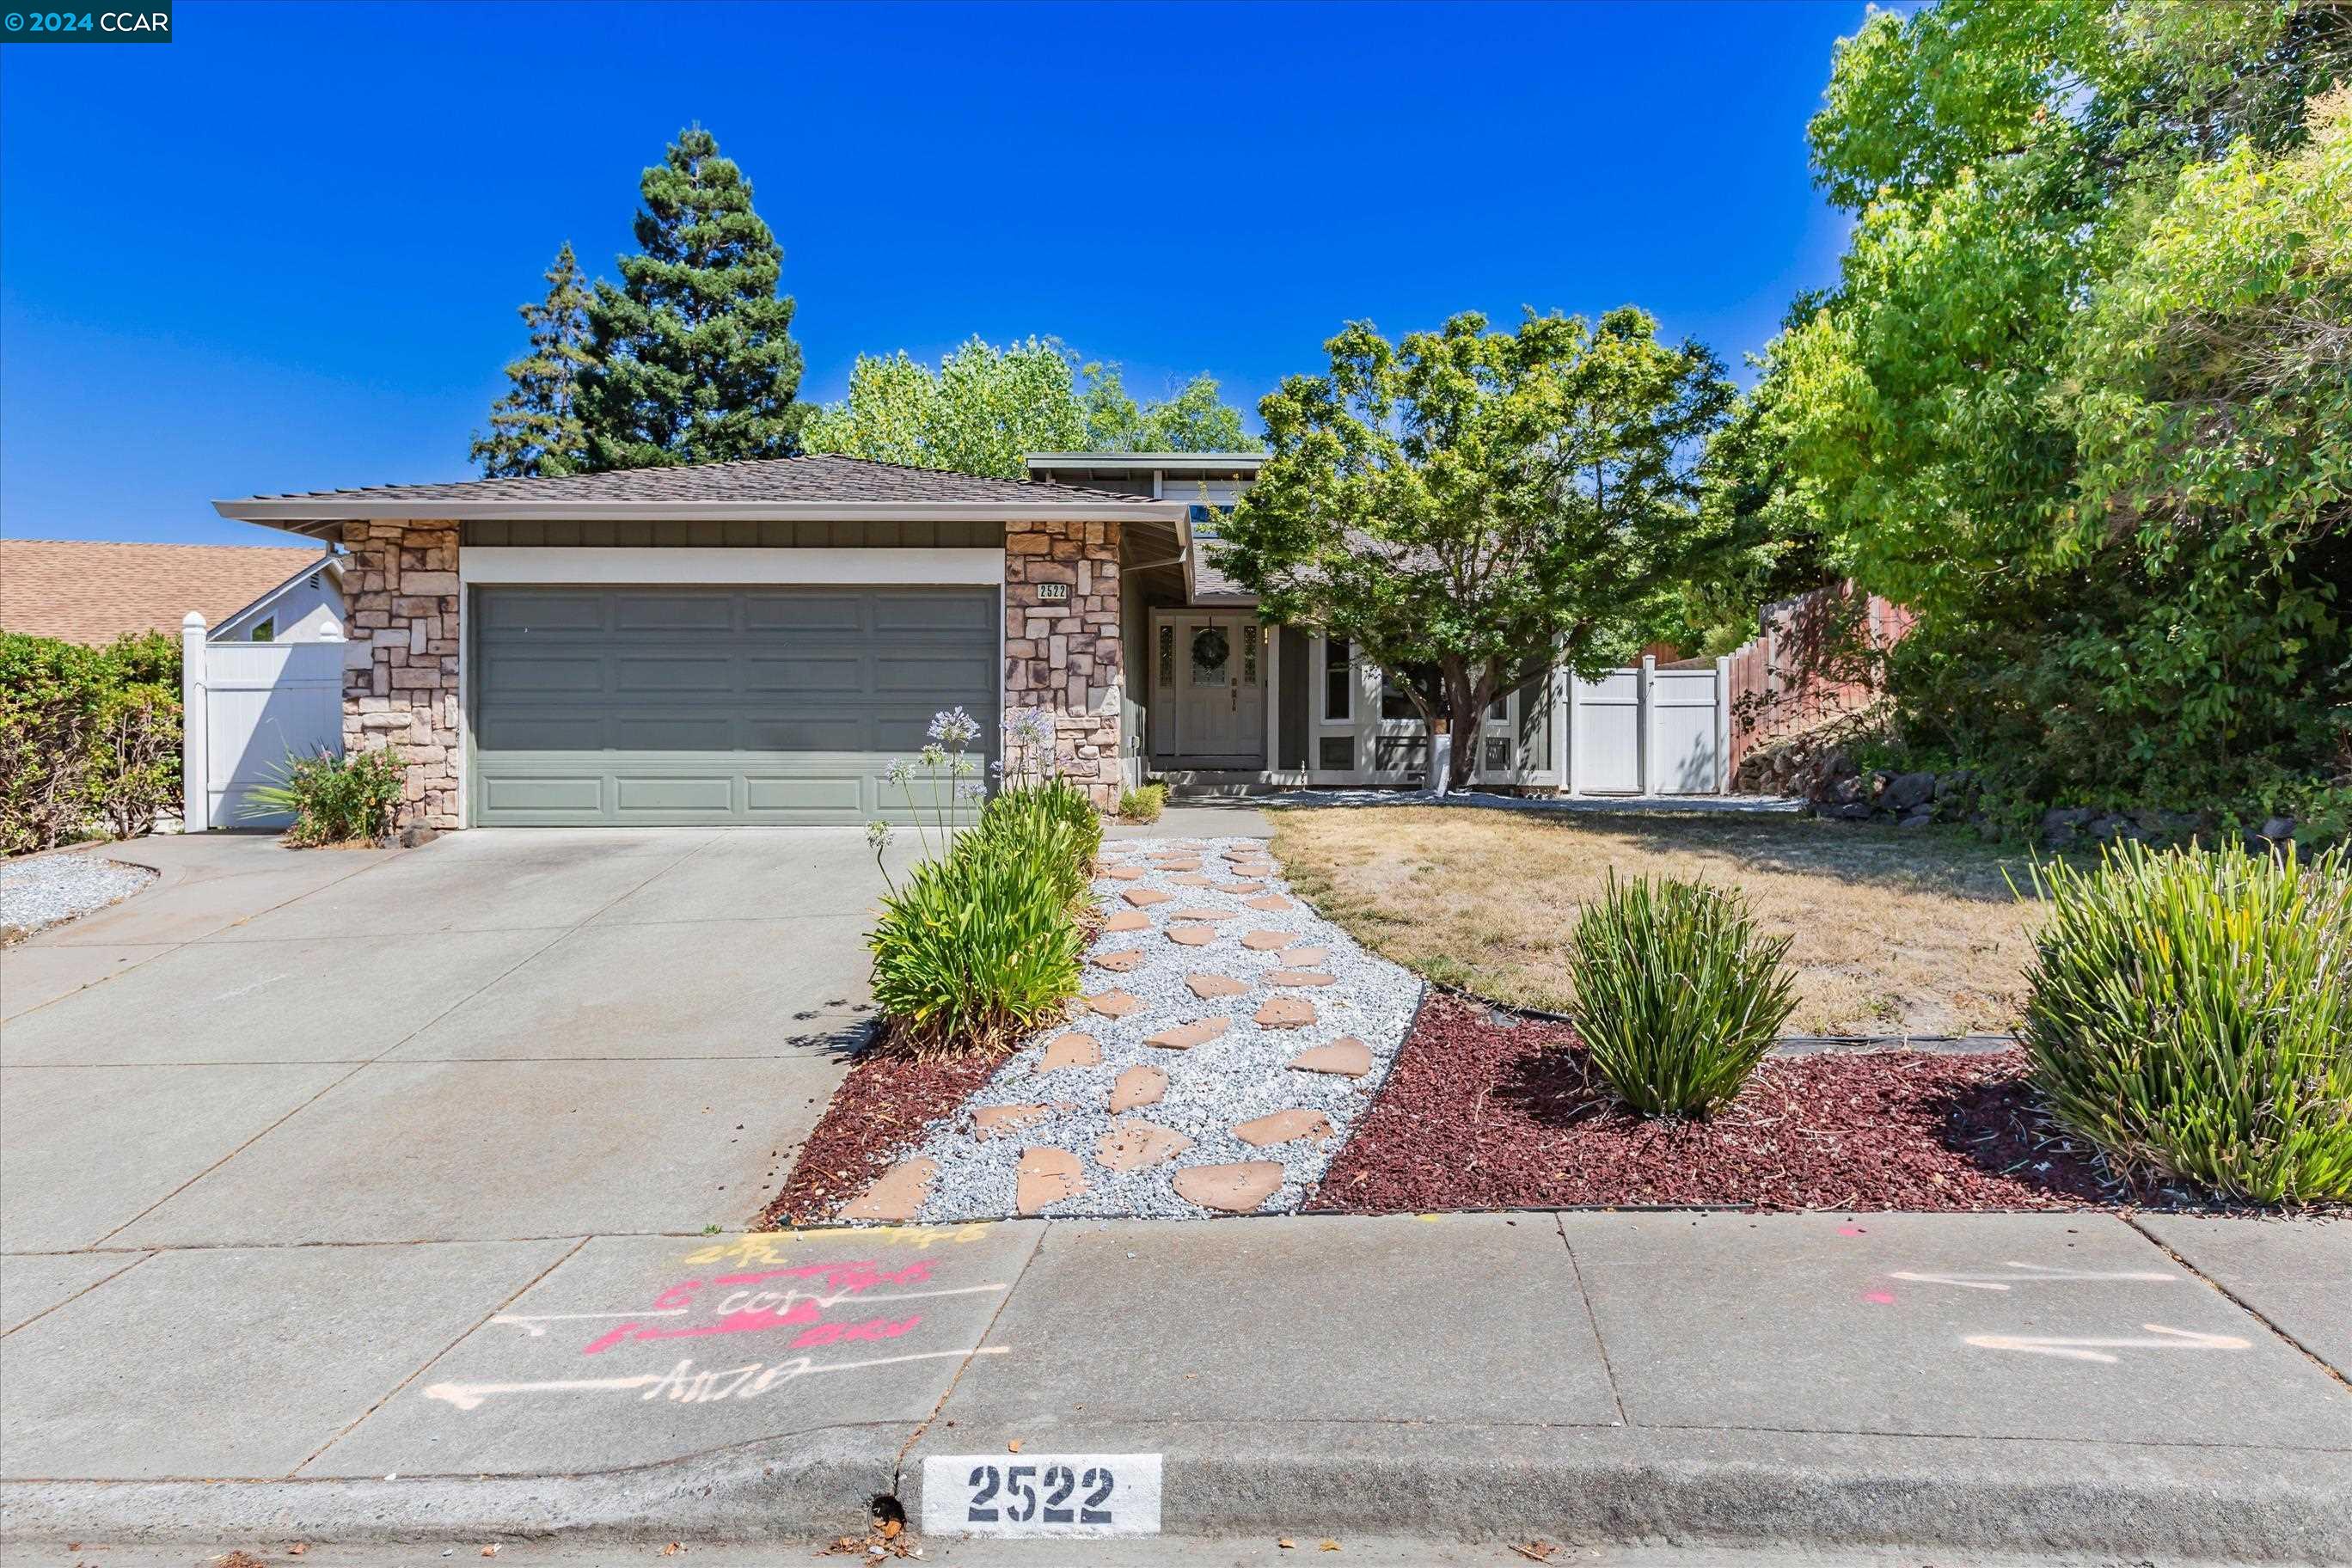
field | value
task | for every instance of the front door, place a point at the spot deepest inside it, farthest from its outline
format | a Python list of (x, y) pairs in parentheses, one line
[(1218, 691)]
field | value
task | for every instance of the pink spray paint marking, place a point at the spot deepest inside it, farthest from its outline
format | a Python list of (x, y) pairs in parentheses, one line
[(795, 1310), (1853, 1230), (1879, 1298)]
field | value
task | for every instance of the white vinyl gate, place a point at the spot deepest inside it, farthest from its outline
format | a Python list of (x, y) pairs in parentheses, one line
[(244, 707), (1646, 731)]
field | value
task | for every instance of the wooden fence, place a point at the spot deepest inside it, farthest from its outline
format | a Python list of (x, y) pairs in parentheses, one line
[(1819, 658)]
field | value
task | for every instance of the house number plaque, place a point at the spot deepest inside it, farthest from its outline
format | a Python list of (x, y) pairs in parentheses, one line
[(1053, 593)]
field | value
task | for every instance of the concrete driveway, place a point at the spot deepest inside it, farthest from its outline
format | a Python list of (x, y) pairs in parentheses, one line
[(502, 1035)]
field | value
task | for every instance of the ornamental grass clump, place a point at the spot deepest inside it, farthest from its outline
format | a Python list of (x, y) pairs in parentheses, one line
[(1054, 818), (1677, 997), (2190, 1013), (334, 800), (977, 945)]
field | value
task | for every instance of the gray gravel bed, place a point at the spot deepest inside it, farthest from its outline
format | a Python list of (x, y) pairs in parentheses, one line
[(1242, 1075), (44, 891)]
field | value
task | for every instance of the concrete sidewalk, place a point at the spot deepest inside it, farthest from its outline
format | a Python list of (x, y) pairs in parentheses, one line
[(2035, 1384)]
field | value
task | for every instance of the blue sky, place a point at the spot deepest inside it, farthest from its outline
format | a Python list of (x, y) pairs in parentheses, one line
[(284, 251)]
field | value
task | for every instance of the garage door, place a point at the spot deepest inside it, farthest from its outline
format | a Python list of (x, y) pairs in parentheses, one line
[(678, 706)]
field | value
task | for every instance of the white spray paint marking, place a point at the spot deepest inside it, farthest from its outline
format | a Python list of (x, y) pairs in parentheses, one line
[(687, 1386), (248, 990), (529, 1322), (2096, 1349), (2031, 1273)]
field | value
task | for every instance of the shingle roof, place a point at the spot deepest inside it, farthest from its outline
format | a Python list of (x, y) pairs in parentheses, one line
[(92, 591), (818, 479)]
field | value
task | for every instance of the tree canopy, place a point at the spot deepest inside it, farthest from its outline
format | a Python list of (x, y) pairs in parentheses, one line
[(535, 429), (2078, 397), (986, 407), (692, 356), (1481, 504)]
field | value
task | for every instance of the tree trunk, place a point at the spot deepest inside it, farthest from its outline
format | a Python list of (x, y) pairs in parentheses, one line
[(1469, 705)]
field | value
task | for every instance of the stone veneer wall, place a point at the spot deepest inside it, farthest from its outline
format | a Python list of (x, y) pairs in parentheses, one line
[(400, 668), (1064, 657)]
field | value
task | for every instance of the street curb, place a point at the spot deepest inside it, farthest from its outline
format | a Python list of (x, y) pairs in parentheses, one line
[(1620, 1486)]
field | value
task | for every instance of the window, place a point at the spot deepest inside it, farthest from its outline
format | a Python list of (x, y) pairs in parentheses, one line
[(1167, 655), (1498, 753), (1337, 754), (1338, 682), (1396, 704), (265, 629), (1251, 636)]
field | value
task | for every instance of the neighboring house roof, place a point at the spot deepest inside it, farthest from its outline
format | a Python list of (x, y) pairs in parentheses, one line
[(92, 591), (332, 564), (812, 486)]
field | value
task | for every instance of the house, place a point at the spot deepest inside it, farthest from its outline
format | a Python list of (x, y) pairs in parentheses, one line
[(93, 591), (754, 642)]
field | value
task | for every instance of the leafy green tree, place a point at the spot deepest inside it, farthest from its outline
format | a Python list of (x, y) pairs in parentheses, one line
[(692, 356), (1480, 505), (1197, 419), (985, 408), (535, 429), (979, 413), (2019, 415)]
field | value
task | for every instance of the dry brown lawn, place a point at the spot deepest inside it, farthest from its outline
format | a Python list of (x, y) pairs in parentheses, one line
[(1895, 931)]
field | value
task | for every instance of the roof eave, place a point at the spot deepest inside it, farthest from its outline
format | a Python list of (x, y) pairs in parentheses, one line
[(293, 511)]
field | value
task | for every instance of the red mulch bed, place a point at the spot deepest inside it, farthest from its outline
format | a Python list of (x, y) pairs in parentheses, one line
[(1480, 1116), (877, 1113)]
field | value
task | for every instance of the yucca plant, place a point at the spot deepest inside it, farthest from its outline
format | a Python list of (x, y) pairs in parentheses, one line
[(1677, 997), (979, 945), (2190, 1013), (334, 800)]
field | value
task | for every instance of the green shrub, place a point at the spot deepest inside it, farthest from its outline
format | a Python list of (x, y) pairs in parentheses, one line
[(2190, 1013), (978, 944), (90, 737), (334, 800), (1142, 803), (1677, 998), (1054, 820)]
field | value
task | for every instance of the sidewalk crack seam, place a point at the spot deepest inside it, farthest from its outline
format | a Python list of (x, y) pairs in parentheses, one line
[(898, 1466), (426, 1365), (1593, 1318), (2238, 1301)]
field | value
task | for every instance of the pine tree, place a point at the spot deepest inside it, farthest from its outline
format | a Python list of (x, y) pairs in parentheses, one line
[(535, 429), (694, 361)]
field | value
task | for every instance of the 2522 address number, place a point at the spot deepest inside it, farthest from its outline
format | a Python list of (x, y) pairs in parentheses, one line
[(1042, 1495)]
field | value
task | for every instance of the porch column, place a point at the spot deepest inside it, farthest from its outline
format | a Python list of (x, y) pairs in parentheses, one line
[(400, 664), (1061, 645)]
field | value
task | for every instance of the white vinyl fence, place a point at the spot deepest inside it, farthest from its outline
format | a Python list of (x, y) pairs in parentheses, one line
[(245, 706), (1646, 731)]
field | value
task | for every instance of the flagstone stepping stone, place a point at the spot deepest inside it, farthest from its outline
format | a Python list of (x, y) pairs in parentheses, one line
[(1132, 1145), (1269, 940), (1208, 987), (1185, 1036), (1144, 1086), (1195, 935), (1194, 881), (1075, 1049), (1246, 887), (1118, 963), (1272, 903), (1124, 873), (1298, 977), (1346, 1056), (1144, 898), (1201, 914), (1285, 1013), (1046, 1175), (988, 1121), (1305, 957), (1179, 863), (1235, 1189), (1282, 1127), (898, 1194), (1115, 1004), (1129, 920)]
